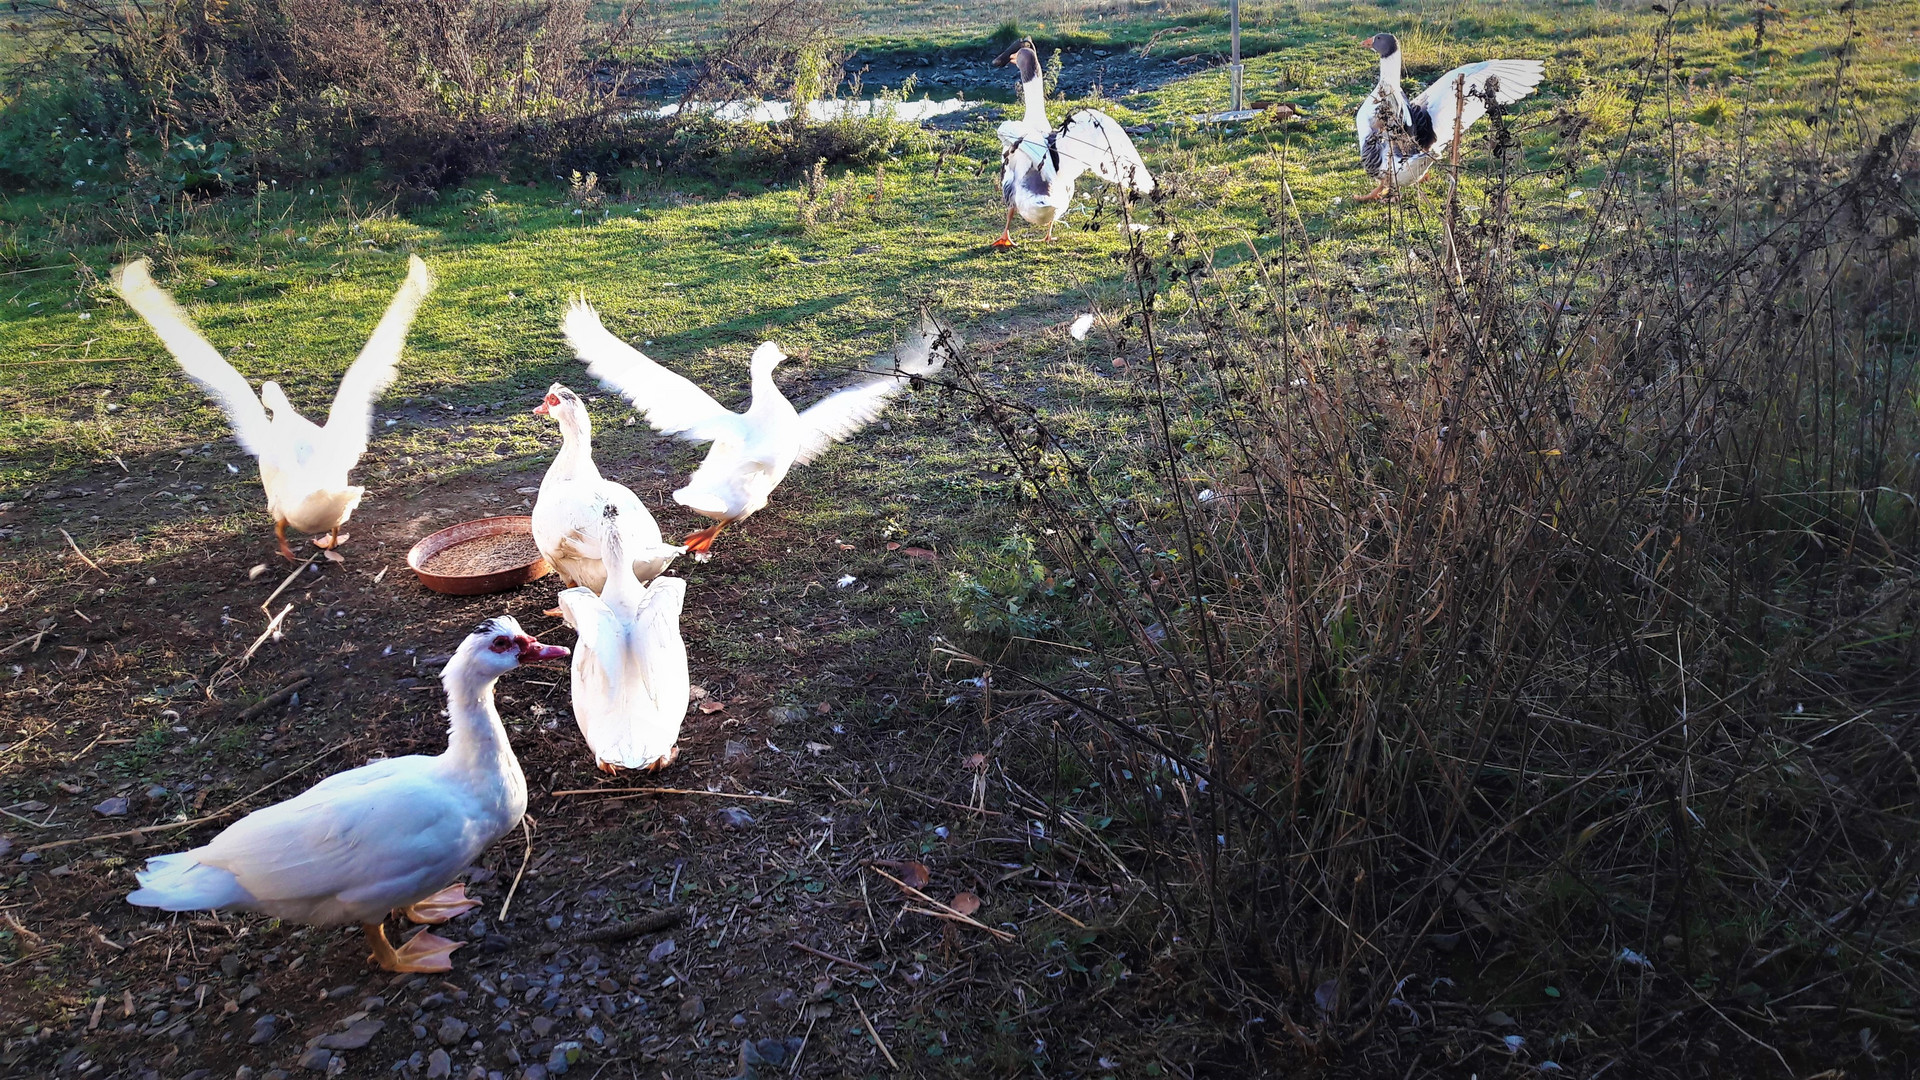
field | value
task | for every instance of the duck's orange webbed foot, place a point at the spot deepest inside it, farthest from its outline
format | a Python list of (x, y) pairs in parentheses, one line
[(699, 542), (424, 952), (441, 906)]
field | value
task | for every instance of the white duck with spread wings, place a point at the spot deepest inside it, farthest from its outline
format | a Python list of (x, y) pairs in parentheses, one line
[(751, 451), (303, 466), (569, 513), (1401, 139), (1040, 164), (630, 682), (389, 835)]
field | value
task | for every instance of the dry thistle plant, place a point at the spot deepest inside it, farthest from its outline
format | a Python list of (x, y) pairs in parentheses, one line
[(1529, 624)]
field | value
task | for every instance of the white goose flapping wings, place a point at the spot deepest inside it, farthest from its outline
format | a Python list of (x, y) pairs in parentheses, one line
[(670, 402), (841, 414), (201, 362), (350, 420)]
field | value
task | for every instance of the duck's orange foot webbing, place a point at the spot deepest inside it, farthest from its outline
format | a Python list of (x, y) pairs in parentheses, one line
[(424, 952), (443, 905), (331, 540), (698, 542), (1386, 185), (665, 760), (1006, 240)]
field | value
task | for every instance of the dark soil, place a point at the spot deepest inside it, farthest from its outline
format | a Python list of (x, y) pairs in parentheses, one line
[(120, 711)]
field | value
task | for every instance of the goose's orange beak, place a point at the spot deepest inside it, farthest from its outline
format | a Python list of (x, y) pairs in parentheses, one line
[(532, 652), (540, 409)]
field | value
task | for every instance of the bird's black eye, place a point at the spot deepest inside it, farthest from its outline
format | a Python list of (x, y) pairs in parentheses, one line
[(500, 643)]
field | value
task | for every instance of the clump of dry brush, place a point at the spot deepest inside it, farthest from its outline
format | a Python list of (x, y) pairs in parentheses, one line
[(1537, 649)]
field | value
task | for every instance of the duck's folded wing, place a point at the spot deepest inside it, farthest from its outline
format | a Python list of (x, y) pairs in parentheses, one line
[(840, 414), (1517, 79), (200, 360), (351, 419), (668, 401), (350, 834), (600, 669), (662, 651), (1091, 139)]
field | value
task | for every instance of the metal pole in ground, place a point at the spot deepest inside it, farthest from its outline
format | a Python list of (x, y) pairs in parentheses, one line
[(1237, 69)]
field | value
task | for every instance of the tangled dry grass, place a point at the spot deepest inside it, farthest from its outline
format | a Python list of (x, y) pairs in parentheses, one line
[(1519, 660)]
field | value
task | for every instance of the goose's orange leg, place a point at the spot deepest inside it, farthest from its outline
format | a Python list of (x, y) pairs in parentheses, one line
[(666, 759), (333, 540), (1006, 231), (423, 952), (280, 530), (441, 906), (1385, 185), (698, 542)]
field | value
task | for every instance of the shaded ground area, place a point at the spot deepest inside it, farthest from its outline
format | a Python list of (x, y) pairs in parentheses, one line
[(812, 744)]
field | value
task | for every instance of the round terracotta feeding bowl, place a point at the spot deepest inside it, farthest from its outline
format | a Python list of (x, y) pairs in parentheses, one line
[(486, 533)]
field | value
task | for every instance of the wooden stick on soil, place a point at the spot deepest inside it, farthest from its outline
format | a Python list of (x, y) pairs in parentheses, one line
[(277, 696), (892, 1064), (83, 555), (633, 928), (635, 792), (854, 964), (215, 816), (524, 860), (267, 604), (949, 912)]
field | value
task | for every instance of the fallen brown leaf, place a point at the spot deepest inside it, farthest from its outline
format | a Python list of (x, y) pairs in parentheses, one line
[(965, 903), (914, 874), (711, 707)]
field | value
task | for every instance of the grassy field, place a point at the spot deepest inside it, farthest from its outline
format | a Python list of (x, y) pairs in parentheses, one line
[(833, 695)]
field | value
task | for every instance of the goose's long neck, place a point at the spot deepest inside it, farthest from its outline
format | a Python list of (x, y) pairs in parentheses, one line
[(476, 740), (766, 393), (1390, 72), (1034, 93), (575, 461)]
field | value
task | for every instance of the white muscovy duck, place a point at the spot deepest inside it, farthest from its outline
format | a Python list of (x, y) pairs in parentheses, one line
[(1039, 163), (386, 836), (1400, 139), (303, 466), (752, 451), (630, 682), (569, 512)]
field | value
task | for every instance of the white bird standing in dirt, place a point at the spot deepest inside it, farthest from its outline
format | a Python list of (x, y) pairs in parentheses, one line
[(1400, 139), (752, 451), (569, 514), (630, 681), (1040, 164), (303, 466), (389, 835)]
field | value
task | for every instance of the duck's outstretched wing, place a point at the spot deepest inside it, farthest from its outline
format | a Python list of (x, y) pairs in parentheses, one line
[(351, 419), (1091, 139), (840, 414), (1517, 79), (668, 401), (200, 360)]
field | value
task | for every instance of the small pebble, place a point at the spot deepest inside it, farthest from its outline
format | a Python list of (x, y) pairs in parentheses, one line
[(439, 1065), (542, 1026), (554, 922), (373, 1003), (452, 1030), (316, 1059), (264, 1029)]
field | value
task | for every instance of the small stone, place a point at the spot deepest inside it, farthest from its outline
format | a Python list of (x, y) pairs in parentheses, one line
[(434, 1001), (451, 1031), (542, 1026), (563, 1056), (439, 1065), (373, 1003), (596, 1036), (244, 1072), (778, 1000), (555, 922), (419, 1031), (157, 792), (230, 965), (316, 1059), (692, 1009), (339, 992), (660, 952), (739, 1020), (608, 986), (275, 1074), (264, 1029), (248, 993), (534, 1072), (355, 1037), (736, 749), (732, 817), (116, 807)]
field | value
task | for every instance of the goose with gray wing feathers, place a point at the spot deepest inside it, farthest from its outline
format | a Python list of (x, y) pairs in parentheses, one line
[(1040, 164), (1400, 139)]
